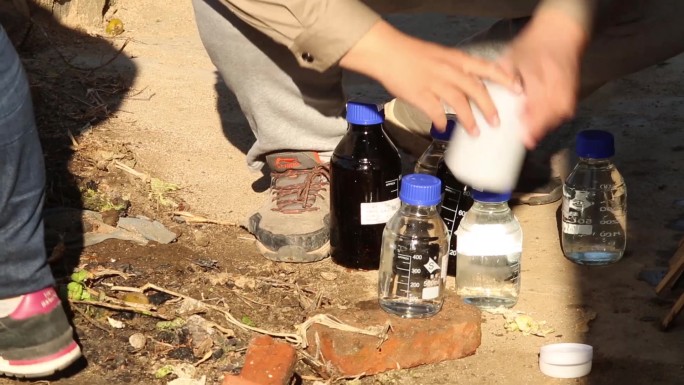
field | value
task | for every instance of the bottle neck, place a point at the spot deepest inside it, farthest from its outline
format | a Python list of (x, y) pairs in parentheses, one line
[(491, 207), (439, 144), (596, 162), (417, 211), (360, 128)]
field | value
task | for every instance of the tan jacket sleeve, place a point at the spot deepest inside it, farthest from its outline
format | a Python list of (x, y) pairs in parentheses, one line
[(318, 32)]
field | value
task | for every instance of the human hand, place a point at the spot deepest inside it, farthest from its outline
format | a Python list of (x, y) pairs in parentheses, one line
[(547, 55), (428, 75)]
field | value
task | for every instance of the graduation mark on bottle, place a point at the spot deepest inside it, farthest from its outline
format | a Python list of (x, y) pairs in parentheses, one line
[(576, 218), (452, 211), (417, 271)]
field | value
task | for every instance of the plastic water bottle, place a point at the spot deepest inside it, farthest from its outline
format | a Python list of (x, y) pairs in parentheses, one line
[(492, 160), (414, 252), (365, 170), (594, 229), (429, 162), (488, 252)]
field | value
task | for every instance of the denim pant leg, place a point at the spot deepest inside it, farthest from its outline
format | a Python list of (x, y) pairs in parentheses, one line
[(23, 265)]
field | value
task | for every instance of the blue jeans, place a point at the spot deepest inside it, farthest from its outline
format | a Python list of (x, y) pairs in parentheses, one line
[(23, 263)]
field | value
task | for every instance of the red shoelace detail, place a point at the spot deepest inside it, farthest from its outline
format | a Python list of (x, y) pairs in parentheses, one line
[(300, 195)]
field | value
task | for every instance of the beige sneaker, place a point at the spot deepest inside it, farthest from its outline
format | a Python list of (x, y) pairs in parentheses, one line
[(293, 225)]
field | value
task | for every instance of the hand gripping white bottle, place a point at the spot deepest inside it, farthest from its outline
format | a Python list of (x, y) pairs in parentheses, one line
[(492, 160)]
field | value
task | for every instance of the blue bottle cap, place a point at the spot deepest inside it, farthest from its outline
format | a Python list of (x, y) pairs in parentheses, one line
[(446, 135), (364, 114), (420, 190), (490, 197), (596, 144)]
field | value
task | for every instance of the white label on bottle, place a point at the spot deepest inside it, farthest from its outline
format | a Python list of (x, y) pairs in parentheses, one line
[(431, 292), (575, 229), (375, 213), (488, 240)]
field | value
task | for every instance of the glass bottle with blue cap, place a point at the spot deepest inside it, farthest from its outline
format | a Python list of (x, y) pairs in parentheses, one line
[(365, 170), (414, 259), (429, 161), (594, 212), (488, 252)]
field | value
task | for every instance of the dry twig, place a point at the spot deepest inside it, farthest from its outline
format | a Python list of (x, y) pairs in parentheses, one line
[(192, 218), (131, 171), (123, 308)]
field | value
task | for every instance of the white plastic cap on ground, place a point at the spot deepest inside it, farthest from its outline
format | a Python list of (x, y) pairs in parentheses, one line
[(566, 360)]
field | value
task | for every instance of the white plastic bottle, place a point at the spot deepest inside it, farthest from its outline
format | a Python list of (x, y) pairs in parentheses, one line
[(492, 160)]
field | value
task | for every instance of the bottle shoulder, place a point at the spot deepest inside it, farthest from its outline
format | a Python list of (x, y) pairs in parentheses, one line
[(410, 225), (371, 150), (592, 176), (475, 220)]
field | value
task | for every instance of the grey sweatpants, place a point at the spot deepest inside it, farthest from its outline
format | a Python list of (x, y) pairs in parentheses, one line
[(292, 108)]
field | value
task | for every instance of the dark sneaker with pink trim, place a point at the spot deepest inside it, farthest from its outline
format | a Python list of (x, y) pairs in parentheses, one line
[(36, 339)]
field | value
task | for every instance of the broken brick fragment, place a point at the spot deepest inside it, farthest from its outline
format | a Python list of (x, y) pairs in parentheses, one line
[(451, 334), (267, 362)]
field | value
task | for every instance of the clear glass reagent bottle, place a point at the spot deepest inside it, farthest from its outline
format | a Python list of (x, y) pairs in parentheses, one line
[(429, 161), (594, 211), (413, 260), (488, 252)]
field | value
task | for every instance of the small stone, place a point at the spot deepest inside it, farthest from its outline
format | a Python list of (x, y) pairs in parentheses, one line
[(116, 324), (137, 341), (328, 276), (110, 217), (151, 230), (245, 282), (191, 306), (102, 165), (201, 239)]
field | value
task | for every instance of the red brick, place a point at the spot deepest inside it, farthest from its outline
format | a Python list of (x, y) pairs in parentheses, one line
[(267, 362), (230, 379), (451, 334)]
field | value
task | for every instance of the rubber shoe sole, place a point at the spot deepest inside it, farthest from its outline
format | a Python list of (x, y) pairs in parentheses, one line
[(43, 366), (294, 253), (549, 193)]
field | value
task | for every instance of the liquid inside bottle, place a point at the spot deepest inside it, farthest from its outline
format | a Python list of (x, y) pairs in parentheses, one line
[(594, 211), (413, 263), (489, 250), (594, 219), (365, 171)]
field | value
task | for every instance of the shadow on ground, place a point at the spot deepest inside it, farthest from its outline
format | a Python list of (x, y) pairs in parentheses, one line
[(77, 81)]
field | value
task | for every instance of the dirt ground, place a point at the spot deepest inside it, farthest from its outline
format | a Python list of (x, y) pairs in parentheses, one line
[(158, 110)]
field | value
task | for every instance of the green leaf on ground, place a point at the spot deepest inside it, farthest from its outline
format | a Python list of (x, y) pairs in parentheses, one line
[(247, 321)]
